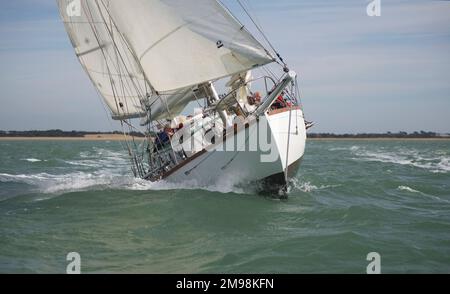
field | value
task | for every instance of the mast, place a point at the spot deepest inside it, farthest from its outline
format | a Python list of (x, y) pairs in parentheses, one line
[(222, 113)]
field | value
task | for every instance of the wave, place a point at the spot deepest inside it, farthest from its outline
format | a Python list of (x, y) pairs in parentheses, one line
[(352, 148), (434, 162), (221, 187), (100, 158), (88, 163), (406, 188), (411, 190), (101, 169), (307, 187), (444, 164), (105, 180), (32, 159), (76, 181)]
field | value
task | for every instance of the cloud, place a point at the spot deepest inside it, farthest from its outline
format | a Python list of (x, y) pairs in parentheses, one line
[(358, 73), (348, 60)]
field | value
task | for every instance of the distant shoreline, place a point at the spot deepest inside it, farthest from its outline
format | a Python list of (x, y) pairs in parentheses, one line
[(60, 135), (115, 137), (379, 139), (91, 137)]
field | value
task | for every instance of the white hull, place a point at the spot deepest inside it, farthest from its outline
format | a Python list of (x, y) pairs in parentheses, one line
[(213, 166)]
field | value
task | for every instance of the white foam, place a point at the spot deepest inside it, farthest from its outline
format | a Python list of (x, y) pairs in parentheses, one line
[(409, 189), (28, 179), (32, 159), (97, 168), (221, 187), (352, 148), (434, 162), (101, 158), (406, 188), (307, 186), (338, 149), (81, 182), (77, 181), (444, 164), (106, 179), (88, 163)]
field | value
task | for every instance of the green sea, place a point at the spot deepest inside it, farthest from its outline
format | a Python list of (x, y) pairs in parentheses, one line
[(349, 198)]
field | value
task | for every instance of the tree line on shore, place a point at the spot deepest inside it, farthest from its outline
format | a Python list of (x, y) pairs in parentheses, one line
[(399, 135), (61, 133)]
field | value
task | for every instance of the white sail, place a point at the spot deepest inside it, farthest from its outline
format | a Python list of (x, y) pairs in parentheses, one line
[(171, 46), (182, 43), (105, 57)]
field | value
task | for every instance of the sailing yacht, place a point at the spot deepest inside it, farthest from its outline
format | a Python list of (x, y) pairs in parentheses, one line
[(151, 59)]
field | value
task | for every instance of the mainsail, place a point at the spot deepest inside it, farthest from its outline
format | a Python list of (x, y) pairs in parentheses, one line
[(151, 54)]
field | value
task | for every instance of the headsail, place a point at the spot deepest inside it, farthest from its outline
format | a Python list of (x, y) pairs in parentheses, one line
[(105, 57), (182, 43)]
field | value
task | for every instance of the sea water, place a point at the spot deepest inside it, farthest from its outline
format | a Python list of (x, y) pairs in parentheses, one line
[(348, 199)]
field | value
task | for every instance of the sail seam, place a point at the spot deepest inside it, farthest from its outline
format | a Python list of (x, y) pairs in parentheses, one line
[(160, 40)]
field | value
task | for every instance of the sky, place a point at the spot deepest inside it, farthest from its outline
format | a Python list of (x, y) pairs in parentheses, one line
[(357, 73)]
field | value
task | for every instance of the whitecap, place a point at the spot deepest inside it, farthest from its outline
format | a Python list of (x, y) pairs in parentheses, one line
[(307, 187), (409, 189), (88, 163), (432, 162), (221, 187), (354, 148), (107, 179), (32, 160), (297, 184), (28, 179), (406, 188), (77, 181), (444, 164), (338, 149)]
